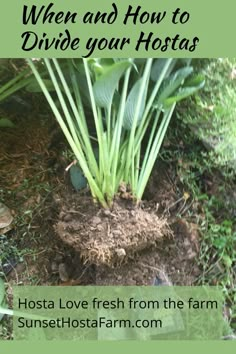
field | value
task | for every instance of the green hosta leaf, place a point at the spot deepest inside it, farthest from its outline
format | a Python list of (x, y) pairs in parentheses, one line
[(159, 65), (140, 61), (6, 123), (80, 78), (100, 65), (131, 104), (171, 83), (182, 93), (185, 61), (194, 80), (34, 86), (106, 84), (116, 100), (77, 178)]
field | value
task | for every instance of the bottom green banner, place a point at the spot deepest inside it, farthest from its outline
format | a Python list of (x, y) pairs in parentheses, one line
[(118, 313), (116, 347)]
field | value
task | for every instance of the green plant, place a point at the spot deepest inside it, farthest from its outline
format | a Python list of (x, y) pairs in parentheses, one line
[(20, 81), (10, 87), (218, 258), (211, 113), (223, 241), (127, 99)]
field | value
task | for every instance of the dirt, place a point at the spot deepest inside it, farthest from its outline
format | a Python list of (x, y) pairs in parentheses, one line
[(110, 237), (171, 262)]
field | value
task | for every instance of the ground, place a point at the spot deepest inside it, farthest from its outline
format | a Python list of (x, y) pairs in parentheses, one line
[(36, 188)]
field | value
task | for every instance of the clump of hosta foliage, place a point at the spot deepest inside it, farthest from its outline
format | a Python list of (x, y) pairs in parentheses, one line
[(212, 112), (106, 107)]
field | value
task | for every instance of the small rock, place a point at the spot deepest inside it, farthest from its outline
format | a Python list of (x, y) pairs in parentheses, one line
[(62, 215), (5, 216), (106, 212), (57, 199), (54, 267), (186, 242), (120, 252), (191, 254), (67, 217), (59, 258), (99, 227), (96, 220), (117, 232), (63, 274)]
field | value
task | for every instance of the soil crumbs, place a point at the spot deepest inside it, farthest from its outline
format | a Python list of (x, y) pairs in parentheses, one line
[(109, 237)]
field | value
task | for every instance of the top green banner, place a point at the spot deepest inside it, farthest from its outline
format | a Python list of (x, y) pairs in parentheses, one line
[(117, 28)]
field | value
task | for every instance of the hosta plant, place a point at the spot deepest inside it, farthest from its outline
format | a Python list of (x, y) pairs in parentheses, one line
[(106, 107)]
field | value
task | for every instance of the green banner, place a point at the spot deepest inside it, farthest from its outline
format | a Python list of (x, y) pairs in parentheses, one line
[(118, 313), (106, 347), (117, 28)]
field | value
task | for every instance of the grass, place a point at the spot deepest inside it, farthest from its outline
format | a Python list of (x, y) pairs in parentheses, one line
[(211, 112), (21, 244), (23, 239)]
